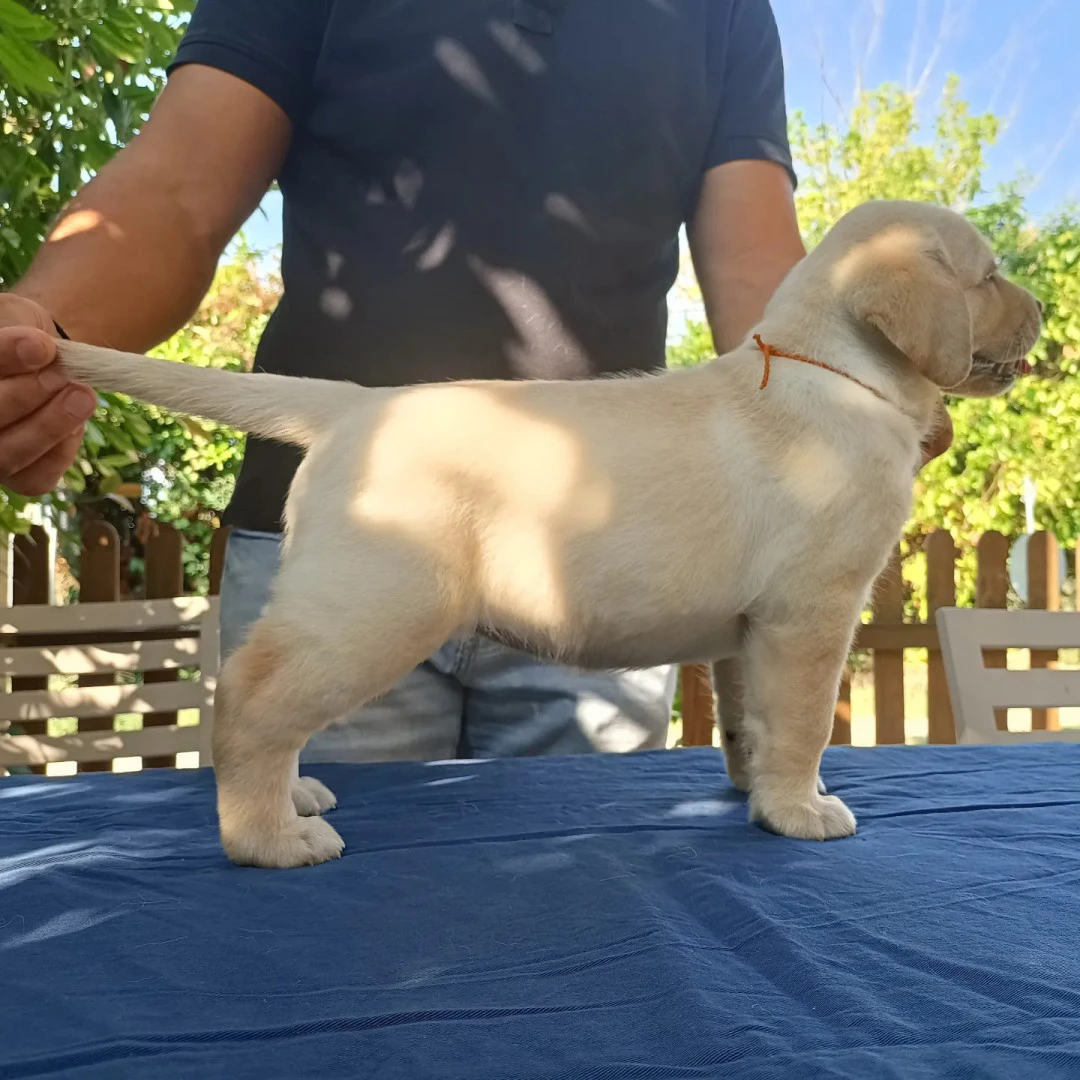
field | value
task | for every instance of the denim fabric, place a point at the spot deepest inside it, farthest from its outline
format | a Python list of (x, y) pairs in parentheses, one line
[(474, 698)]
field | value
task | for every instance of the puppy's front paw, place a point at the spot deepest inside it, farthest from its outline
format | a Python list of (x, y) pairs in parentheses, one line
[(305, 841), (312, 797), (823, 817)]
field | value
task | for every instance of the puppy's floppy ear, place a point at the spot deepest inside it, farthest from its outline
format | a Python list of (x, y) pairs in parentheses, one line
[(904, 286)]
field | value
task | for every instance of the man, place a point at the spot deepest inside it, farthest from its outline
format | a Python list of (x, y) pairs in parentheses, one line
[(477, 189)]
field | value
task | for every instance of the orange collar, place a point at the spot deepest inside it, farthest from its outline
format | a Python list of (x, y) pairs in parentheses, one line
[(769, 351)]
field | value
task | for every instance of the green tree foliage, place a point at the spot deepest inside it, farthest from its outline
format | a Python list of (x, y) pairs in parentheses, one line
[(881, 156), (695, 345), (187, 470), (77, 78), (884, 152), (190, 468)]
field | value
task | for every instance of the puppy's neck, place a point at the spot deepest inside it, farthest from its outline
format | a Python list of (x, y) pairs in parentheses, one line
[(853, 353)]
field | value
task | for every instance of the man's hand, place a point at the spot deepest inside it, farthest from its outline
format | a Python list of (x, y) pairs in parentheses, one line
[(939, 440), (42, 412)]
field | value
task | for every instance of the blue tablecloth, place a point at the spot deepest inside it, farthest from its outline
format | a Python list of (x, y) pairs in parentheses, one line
[(595, 918)]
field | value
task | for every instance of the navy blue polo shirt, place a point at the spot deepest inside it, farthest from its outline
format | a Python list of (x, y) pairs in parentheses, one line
[(487, 188)]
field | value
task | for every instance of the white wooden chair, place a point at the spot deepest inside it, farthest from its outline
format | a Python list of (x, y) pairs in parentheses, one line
[(151, 635), (976, 690)]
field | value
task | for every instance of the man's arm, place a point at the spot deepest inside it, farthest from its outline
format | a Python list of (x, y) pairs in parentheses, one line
[(744, 235), (744, 238), (129, 260)]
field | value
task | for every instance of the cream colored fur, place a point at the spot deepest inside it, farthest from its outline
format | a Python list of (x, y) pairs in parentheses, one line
[(687, 516)]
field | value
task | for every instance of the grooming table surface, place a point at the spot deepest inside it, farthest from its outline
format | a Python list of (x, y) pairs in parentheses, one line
[(590, 918)]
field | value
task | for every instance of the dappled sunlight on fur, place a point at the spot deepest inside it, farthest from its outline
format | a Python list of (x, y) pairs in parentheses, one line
[(814, 473), (476, 502)]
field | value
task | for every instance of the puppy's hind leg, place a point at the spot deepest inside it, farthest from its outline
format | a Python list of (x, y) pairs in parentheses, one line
[(311, 797), (295, 675), (734, 734)]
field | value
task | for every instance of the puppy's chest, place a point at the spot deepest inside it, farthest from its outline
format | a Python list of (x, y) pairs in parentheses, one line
[(834, 519)]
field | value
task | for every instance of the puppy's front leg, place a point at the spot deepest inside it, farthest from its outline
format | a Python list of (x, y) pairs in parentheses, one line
[(735, 733), (793, 674)]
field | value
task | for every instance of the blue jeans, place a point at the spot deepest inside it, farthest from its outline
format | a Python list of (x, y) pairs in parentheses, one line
[(472, 699)]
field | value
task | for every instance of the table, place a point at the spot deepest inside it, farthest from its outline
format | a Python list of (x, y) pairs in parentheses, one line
[(594, 918)]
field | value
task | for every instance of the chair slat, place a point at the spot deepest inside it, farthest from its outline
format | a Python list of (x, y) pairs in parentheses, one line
[(130, 615), (98, 745), (87, 701), (106, 657)]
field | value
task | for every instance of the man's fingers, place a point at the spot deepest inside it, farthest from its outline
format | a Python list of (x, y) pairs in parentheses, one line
[(30, 439), (939, 440), (45, 473), (21, 395), (23, 349), (42, 412)]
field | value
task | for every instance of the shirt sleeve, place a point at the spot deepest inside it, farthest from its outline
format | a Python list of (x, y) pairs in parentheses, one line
[(751, 121), (272, 44)]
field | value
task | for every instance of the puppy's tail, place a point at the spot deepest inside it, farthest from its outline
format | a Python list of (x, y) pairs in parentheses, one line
[(289, 410)]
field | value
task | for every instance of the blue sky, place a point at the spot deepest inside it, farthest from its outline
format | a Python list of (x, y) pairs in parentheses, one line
[(1018, 59)]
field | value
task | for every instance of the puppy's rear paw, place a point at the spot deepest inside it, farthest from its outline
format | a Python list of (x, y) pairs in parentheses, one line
[(306, 841), (824, 817), (738, 771), (312, 797)]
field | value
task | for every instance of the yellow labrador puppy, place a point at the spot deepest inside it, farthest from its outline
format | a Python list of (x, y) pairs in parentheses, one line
[(615, 523)]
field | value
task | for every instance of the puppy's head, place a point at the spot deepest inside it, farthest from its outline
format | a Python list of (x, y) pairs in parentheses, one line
[(925, 279)]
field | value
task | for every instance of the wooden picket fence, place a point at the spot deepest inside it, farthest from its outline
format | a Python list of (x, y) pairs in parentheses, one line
[(885, 638), (888, 635), (103, 643)]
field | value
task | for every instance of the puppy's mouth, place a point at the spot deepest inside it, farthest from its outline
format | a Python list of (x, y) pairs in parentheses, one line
[(1000, 371)]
